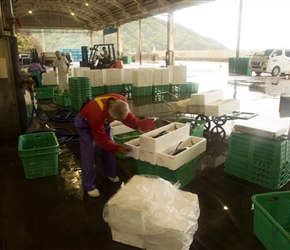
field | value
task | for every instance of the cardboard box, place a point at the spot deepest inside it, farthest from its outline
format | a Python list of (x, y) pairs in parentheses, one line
[(195, 146), (174, 132), (134, 148), (222, 107), (206, 97)]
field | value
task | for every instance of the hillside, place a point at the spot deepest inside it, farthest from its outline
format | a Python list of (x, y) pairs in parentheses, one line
[(154, 33)]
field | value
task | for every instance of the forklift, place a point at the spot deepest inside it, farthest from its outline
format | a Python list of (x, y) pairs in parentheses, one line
[(96, 61)]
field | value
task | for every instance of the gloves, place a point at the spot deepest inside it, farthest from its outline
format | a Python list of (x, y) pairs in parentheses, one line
[(147, 125), (55, 74), (124, 149), (67, 70)]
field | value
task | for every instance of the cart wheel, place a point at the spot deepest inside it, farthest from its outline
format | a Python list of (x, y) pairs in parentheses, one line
[(218, 132), (219, 121), (207, 122)]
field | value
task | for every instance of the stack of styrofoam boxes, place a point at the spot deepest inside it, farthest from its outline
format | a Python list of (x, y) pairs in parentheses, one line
[(177, 78), (146, 213), (127, 80), (113, 80), (49, 78), (211, 103), (156, 154), (142, 81), (97, 81), (160, 81), (79, 72)]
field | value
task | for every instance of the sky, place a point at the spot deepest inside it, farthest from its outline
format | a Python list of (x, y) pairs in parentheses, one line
[(264, 23)]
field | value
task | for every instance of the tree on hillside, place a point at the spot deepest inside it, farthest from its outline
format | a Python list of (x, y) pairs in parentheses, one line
[(26, 42)]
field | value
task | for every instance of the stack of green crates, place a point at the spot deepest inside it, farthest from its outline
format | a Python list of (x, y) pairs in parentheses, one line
[(259, 160), (192, 87), (98, 90), (125, 137), (184, 175), (160, 88), (80, 90), (39, 154), (272, 220), (141, 91), (177, 88)]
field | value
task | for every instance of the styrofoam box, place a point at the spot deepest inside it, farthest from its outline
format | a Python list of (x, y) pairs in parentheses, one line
[(148, 155), (119, 128), (134, 148), (49, 78), (196, 146), (206, 97), (196, 109), (79, 72), (222, 107), (177, 131)]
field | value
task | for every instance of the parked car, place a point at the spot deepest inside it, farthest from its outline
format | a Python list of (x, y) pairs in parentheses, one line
[(274, 61)]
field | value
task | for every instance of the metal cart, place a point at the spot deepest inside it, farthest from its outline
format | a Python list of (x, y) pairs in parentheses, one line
[(218, 121)]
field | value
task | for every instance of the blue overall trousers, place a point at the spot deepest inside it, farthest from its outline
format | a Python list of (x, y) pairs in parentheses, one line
[(87, 146)]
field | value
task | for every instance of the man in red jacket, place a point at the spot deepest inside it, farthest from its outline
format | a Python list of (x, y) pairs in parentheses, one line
[(93, 125)]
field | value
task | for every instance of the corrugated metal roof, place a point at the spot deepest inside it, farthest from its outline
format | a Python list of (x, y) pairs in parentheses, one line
[(92, 14)]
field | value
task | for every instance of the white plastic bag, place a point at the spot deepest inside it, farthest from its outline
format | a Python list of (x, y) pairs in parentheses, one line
[(155, 212)]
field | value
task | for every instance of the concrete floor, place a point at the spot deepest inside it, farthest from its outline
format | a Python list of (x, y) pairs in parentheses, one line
[(54, 212)]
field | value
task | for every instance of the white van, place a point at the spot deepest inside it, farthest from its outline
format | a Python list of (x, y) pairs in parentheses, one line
[(274, 61)]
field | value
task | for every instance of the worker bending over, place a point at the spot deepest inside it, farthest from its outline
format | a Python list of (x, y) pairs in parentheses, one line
[(93, 126)]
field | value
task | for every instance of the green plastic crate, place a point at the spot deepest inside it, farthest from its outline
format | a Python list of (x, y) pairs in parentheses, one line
[(142, 91), (125, 137), (184, 175), (39, 154), (54, 86), (160, 88), (272, 155), (62, 99), (177, 88), (142, 100), (192, 87), (272, 219), (127, 88), (196, 126), (99, 90), (44, 93), (257, 175), (114, 89)]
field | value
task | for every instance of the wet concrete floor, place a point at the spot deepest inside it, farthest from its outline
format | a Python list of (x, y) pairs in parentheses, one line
[(54, 212)]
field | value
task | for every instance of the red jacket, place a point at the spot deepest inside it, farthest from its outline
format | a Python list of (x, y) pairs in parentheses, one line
[(97, 114)]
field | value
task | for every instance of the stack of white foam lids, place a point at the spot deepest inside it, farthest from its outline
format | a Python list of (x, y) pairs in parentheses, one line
[(266, 130)]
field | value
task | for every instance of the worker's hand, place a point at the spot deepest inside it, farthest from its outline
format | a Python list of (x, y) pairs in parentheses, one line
[(67, 70), (55, 74), (124, 149)]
